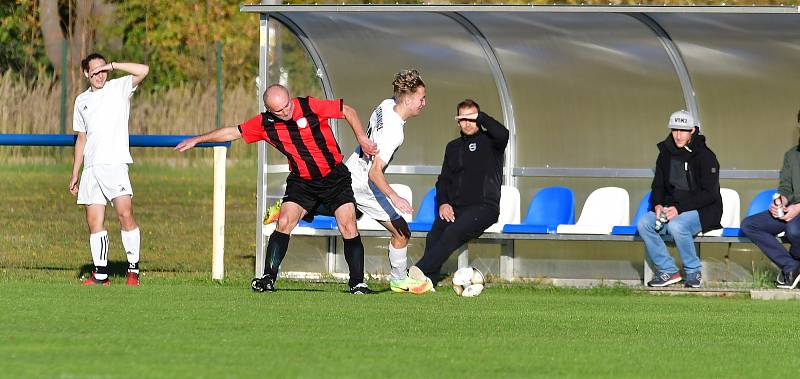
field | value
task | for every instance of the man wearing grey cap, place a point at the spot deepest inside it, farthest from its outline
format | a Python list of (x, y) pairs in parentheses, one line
[(685, 200), (762, 227)]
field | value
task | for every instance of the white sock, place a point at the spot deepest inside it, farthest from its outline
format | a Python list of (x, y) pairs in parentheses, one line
[(98, 244), (399, 261), (130, 241)]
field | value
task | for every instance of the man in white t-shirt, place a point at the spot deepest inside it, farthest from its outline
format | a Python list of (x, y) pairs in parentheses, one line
[(101, 120), (374, 196)]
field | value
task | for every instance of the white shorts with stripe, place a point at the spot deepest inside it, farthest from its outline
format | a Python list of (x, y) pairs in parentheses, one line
[(373, 203), (102, 183)]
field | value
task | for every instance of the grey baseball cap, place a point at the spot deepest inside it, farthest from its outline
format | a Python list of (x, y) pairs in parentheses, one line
[(681, 120)]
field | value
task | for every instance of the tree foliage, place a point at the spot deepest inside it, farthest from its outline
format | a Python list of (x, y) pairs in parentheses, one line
[(178, 39), (21, 46)]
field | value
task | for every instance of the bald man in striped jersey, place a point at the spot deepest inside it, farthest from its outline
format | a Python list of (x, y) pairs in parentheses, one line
[(299, 129)]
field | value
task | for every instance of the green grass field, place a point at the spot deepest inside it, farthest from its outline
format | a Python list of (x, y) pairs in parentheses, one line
[(43, 228), (181, 324), (189, 327)]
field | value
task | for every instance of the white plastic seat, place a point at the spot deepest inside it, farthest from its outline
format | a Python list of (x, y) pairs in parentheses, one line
[(731, 212), (509, 209), (604, 208), (368, 223)]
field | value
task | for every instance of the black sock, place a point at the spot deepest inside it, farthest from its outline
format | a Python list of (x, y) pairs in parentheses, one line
[(354, 255), (276, 250)]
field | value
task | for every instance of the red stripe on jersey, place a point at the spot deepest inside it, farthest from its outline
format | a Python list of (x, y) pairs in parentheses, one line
[(314, 150), (333, 147), (286, 141)]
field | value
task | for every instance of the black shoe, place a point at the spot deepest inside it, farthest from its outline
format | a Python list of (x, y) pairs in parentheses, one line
[(361, 289), (790, 279), (263, 284)]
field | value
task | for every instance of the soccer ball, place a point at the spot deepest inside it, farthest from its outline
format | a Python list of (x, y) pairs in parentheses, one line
[(468, 282)]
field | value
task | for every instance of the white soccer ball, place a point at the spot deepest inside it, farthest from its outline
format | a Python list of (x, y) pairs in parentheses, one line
[(468, 282)]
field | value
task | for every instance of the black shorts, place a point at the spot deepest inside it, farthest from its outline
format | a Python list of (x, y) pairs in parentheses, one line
[(321, 196)]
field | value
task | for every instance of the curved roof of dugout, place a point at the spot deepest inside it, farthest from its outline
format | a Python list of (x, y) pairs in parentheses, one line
[(585, 90)]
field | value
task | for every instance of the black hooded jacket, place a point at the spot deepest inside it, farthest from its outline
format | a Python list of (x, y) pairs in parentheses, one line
[(473, 166), (702, 174)]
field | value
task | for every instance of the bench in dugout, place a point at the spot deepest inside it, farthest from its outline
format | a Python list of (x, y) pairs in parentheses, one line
[(550, 217)]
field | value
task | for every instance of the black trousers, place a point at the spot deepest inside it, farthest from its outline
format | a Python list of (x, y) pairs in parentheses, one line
[(445, 237)]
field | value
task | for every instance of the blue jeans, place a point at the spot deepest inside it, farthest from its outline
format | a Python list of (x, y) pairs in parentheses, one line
[(762, 228), (682, 228)]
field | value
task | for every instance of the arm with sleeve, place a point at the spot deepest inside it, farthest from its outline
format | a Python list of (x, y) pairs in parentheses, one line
[(786, 187), (444, 182), (659, 191), (327, 108), (496, 132), (78, 123), (127, 86), (251, 129)]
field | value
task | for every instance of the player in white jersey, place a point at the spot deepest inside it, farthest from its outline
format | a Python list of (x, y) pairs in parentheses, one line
[(374, 196), (101, 120)]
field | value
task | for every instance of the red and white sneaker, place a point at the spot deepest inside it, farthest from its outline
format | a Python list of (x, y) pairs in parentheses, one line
[(133, 278), (94, 281)]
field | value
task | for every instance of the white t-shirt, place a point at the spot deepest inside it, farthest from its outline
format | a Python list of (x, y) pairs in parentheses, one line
[(386, 130), (103, 115)]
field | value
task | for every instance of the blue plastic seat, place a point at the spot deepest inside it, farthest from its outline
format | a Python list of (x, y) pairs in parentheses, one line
[(426, 214), (629, 230), (320, 222), (552, 206), (759, 204)]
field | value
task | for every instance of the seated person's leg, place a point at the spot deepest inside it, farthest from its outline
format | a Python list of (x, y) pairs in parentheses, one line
[(470, 222), (655, 247), (683, 228), (793, 235), (762, 228), (431, 262)]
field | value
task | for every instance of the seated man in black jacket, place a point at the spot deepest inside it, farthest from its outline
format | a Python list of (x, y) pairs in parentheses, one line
[(468, 188), (685, 201)]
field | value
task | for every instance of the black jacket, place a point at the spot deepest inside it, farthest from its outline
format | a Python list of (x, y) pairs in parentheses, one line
[(472, 170), (703, 179)]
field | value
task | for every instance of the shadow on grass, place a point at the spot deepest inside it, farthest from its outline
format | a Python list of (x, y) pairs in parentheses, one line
[(279, 289), (115, 269), (375, 292)]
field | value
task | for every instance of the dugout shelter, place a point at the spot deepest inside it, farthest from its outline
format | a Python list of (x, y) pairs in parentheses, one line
[(585, 91)]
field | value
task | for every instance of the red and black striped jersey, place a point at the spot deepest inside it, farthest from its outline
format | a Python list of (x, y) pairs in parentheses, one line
[(306, 140)]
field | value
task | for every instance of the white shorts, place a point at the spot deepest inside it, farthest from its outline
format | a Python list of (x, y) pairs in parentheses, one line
[(103, 183), (373, 203)]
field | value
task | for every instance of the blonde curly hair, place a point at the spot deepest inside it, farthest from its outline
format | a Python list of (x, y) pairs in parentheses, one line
[(406, 82)]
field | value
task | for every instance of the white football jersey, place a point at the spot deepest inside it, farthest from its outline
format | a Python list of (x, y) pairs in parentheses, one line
[(386, 130), (103, 115)]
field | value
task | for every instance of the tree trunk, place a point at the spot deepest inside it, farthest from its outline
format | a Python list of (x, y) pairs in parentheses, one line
[(82, 38), (89, 16), (51, 32)]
